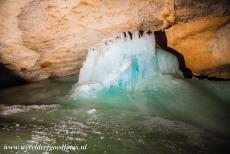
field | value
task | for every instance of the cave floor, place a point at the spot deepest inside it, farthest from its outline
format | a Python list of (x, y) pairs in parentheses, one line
[(179, 116)]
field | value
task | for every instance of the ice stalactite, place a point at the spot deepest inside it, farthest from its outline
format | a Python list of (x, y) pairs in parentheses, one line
[(126, 61)]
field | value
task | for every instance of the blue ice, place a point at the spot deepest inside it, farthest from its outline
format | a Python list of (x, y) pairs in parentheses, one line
[(125, 62)]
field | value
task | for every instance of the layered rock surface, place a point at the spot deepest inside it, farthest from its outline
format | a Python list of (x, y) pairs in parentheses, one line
[(42, 38), (45, 38), (201, 36), (205, 45)]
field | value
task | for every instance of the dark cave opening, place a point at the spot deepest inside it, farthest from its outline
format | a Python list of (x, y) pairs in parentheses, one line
[(9, 79), (161, 40)]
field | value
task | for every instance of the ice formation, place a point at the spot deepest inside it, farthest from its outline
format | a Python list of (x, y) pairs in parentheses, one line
[(126, 62)]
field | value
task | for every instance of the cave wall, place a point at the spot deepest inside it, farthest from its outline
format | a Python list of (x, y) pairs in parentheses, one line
[(201, 36), (48, 38), (42, 38), (9, 79)]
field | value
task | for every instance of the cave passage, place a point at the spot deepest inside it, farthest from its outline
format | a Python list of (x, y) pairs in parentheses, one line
[(161, 40), (9, 79)]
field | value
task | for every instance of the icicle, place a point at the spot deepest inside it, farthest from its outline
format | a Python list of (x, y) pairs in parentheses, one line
[(125, 61)]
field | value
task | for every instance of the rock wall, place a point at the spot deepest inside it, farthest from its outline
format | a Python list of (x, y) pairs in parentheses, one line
[(45, 38), (204, 43), (42, 38), (201, 36), (187, 10)]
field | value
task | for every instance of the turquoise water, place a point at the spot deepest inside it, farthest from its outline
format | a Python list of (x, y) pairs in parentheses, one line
[(173, 116)]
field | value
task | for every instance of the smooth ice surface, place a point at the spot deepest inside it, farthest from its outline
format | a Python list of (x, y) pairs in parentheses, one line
[(175, 115), (126, 63)]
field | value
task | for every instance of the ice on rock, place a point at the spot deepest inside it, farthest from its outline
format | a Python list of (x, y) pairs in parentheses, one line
[(125, 61)]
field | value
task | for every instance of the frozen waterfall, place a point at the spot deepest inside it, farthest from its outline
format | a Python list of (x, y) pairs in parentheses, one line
[(126, 61)]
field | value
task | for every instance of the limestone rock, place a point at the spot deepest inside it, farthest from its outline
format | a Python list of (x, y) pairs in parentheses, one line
[(43, 38), (187, 10), (205, 45)]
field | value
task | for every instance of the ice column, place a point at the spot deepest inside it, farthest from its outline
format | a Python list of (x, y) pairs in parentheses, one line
[(125, 61)]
